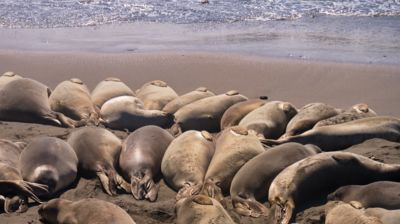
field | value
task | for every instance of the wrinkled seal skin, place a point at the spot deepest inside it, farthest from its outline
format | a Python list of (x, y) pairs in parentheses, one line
[(233, 148), (72, 98), (186, 160), (126, 112), (323, 173), (109, 88), (187, 98), (206, 114), (98, 150), (252, 181), (156, 94), (8, 77), (27, 100), (140, 160), (341, 136), (308, 116), (49, 161), (386, 216), (200, 209), (382, 194), (338, 212), (14, 192), (356, 112), (89, 210), (234, 114), (270, 120)]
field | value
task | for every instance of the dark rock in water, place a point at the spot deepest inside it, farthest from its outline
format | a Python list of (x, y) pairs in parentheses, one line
[(204, 2)]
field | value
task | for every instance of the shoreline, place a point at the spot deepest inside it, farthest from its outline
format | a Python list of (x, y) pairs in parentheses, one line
[(297, 81)]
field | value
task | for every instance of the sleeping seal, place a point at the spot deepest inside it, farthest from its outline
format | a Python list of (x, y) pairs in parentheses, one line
[(156, 94), (109, 88), (187, 98)]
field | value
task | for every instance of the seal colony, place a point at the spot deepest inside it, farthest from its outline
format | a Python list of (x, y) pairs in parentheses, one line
[(268, 157)]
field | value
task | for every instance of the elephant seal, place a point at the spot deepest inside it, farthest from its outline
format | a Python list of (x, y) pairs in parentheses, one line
[(27, 100), (384, 215), (270, 120), (341, 136), (206, 114), (308, 116), (200, 209), (338, 212), (323, 173), (233, 148), (252, 181), (234, 114), (140, 160), (382, 194), (356, 112), (186, 160), (98, 150), (156, 94), (72, 98), (49, 161), (109, 88), (8, 77), (14, 192), (187, 98), (126, 112), (89, 210)]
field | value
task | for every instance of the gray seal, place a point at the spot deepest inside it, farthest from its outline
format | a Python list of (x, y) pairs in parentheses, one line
[(127, 112), (27, 100), (109, 88), (251, 183), (72, 98), (88, 210), (206, 114), (14, 191), (140, 160), (49, 161), (234, 114), (270, 120), (156, 94), (98, 150), (342, 136), (186, 160), (190, 97), (323, 173)]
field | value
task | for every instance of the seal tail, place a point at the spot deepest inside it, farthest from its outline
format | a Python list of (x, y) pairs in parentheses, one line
[(188, 190), (144, 188), (283, 214), (249, 207)]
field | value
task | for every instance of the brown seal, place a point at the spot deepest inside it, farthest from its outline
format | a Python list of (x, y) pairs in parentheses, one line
[(187, 98), (234, 114), (8, 77), (98, 150), (338, 212), (27, 100), (383, 194), (14, 192), (202, 210), (206, 114), (127, 112), (89, 210), (308, 116), (386, 216), (156, 94), (252, 181), (109, 88), (341, 136), (72, 98), (186, 160), (270, 120), (320, 174), (49, 161), (140, 160), (233, 148)]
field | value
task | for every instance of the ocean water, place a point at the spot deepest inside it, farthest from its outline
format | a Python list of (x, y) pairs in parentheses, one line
[(355, 31)]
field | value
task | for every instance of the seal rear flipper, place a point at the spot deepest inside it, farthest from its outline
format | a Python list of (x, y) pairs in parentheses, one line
[(23, 188), (212, 190), (106, 183), (249, 207), (16, 204), (283, 213), (152, 191), (188, 190), (122, 184), (66, 121)]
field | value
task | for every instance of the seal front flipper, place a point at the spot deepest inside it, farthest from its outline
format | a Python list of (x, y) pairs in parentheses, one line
[(283, 213), (249, 207)]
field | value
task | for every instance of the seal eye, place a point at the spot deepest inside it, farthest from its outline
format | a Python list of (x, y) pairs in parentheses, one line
[(232, 93)]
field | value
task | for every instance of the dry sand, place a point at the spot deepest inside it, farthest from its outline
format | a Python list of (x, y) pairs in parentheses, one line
[(300, 82)]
